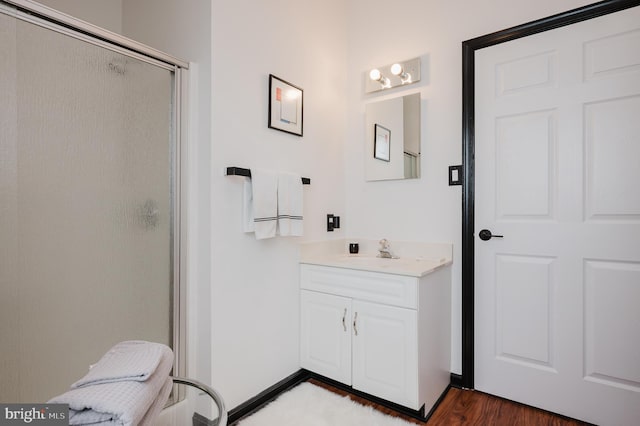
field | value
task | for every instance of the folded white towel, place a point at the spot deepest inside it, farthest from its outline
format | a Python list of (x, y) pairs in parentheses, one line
[(130, 360), (123, 403), (264, 185), (158, 404), (290, 204)]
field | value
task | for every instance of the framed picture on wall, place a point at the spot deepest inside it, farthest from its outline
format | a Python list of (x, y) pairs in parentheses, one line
[(381, 143), (285, 106)]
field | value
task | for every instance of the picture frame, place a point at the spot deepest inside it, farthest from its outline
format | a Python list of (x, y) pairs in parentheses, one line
[(381, 143), (285, 106)]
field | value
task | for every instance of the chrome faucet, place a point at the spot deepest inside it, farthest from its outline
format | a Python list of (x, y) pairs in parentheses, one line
[(384, 250)]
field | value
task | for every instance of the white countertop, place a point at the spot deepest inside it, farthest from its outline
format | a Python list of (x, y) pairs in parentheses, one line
[(411, 266)]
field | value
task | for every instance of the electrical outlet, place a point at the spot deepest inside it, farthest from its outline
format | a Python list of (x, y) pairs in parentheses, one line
[(333, 222)]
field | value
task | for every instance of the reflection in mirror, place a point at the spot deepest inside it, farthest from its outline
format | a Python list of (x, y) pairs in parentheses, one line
[(400, 119)]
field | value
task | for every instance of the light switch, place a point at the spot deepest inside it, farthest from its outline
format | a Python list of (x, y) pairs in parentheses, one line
[(455, 175)]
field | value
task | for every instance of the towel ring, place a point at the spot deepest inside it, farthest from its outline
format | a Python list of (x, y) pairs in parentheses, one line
[(217, 398)]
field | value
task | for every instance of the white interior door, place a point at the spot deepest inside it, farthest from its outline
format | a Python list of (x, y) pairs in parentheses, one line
[(557, 166)]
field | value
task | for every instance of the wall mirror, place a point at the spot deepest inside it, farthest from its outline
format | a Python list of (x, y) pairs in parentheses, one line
[(392, 149)]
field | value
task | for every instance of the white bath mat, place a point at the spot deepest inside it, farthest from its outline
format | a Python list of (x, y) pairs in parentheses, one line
[(309, 405)]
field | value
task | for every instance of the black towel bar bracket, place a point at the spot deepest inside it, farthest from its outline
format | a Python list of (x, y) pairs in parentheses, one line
[(239, 171)]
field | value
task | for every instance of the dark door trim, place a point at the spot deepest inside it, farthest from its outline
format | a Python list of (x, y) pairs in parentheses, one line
[(468, 148)]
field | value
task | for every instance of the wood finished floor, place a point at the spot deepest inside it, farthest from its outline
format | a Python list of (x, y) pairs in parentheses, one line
[(465, 407)]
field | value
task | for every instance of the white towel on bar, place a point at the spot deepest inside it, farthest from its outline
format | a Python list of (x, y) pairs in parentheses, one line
[(290, 221), (130, 360), (247, 202), (122, 403), (264, 184)]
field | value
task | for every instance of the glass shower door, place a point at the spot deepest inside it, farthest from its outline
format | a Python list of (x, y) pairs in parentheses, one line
[(86, 206)]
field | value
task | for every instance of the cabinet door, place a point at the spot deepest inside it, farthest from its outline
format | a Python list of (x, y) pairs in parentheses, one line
[(325, 340), (385, 352)]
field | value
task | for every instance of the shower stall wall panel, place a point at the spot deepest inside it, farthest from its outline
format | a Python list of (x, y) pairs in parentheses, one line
[(86, 196)]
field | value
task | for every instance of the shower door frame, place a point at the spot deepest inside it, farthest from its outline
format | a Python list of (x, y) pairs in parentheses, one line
[(35, 13)]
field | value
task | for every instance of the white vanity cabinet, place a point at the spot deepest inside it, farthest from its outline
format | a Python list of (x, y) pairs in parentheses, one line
[(384, 334)]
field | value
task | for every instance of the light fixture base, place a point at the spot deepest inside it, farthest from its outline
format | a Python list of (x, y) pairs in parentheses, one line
[(410, 67)]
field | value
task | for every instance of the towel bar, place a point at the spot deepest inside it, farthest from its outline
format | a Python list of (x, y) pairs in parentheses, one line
[(239, 171), (222, 412)]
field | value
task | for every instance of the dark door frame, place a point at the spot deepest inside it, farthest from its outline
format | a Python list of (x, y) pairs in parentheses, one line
[(468, 149)]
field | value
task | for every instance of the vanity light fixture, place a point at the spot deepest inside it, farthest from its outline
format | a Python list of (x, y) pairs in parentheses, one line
[(393, 75)]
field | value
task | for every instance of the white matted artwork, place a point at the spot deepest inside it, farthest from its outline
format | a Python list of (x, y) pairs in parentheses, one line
[(285, 106), (382, 143)]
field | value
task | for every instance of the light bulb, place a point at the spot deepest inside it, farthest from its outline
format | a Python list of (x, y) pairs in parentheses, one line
[(397, 69), (375, 74)]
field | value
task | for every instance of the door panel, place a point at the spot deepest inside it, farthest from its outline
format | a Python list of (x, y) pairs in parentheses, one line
[(524, 286), (612, 290), (385, 352), (611, 159), (556, 170), (326, 335), (525, 146), (526, 73), (616, 54)]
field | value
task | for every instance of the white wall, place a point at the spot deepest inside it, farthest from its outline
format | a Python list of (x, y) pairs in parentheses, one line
[(425, 209), (254, 300)]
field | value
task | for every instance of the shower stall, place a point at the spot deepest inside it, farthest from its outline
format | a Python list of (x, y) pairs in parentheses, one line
[(89, 200)]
